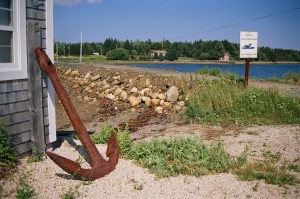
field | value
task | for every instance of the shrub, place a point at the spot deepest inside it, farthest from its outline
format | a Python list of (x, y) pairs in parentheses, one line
[(24, 189), (7, 156), (118, 54)]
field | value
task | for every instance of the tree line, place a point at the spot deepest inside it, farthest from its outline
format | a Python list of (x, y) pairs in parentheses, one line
[(199, 50)]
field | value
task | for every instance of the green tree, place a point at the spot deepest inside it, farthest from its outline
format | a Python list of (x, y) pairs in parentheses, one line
[(171, 55), (118, 54)]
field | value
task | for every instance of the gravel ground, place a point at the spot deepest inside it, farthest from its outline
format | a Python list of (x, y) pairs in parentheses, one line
[(132, 181)]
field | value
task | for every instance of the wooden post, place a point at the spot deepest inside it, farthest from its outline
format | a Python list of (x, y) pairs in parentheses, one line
[(247, 72), (36, 20)]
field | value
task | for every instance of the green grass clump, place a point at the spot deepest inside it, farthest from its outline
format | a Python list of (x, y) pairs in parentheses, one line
[(291, 77), (35, 156), (123, 138), (225, 101), (210, 71), (72, 193), (187, 156), (7, 156), (24, 189)]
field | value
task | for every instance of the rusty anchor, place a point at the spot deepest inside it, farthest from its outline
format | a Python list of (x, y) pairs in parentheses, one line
[(100, 167)]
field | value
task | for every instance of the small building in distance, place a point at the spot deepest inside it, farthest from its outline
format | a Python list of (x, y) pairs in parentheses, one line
[(224, 57), (158, 53)]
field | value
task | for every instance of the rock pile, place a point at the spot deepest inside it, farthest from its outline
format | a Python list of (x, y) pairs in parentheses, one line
[(93, 87)]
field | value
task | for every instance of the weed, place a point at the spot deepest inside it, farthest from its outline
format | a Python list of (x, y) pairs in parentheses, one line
[(255, 187), (35, 157), (210, 71), (72, 193), (294, 167), (7, 156), (266, 170), (123, 138), (74, 136), (139, 187), (224, 101), (24, 189)]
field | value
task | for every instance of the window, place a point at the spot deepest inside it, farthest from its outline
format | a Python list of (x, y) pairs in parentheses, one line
[(13, 64)]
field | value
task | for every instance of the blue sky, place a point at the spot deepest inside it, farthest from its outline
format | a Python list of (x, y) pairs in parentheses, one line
[(178, 20)]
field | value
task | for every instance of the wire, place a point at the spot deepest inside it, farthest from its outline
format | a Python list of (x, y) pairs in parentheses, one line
[(239, 23)]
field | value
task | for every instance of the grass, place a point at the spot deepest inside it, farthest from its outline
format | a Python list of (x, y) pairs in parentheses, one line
[(210, 71), (72, 193), (224, 101), (7, 156), (35, 156), (189, 156), (24, 189)]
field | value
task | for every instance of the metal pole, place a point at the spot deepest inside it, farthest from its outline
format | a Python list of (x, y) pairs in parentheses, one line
[(247, 72), (80, 46)]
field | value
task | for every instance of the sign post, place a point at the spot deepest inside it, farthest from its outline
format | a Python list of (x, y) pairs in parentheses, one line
[(248, 49)]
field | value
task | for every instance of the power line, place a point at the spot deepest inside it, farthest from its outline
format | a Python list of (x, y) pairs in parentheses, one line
[(239, 23)]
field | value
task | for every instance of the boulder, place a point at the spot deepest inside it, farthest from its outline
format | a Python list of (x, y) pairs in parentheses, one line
[(88, 75), (123, 95), (147, 83), (155, 102), (145, 92), (159, 109), (134, 101), (110, 96), (134, 90), (94, 78), (161, 96), (148, 102), (172, 94), (68, 71), (118, 91)]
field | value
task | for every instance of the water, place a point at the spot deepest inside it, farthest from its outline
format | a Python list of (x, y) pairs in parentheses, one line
[(261, 71)]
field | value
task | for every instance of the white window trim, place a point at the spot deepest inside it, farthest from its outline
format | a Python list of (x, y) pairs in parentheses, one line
[(17, 69), (51, 91)]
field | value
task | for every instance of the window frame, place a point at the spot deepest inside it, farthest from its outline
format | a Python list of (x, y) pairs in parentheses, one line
[(18, 68)]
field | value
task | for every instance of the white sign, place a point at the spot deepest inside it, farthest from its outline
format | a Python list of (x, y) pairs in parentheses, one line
[(248, 44)]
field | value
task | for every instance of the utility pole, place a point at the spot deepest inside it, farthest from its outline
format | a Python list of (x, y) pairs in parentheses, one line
[(80, 46)]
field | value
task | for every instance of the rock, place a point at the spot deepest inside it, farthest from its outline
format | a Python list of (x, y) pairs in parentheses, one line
[(105, 87), (116, 82), (167, 105), (118, 91), (147, 83), (172, 94), (79, 98), (68, 71), (92, 85), (155, 102), (86, 99), (116, 77), (88, 75), (123, 95), (75, 86), (144, 98), (75, 72), (148, 102), (101, 95), (177, 108), (153, 95), (94, 78), (134, 101), (110, 96), (145, 92), (181, 103), (159, 109), (107, 91), (134, 90), (161, 96)]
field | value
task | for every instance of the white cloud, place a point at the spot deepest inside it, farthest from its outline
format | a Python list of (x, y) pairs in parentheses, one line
[(93, 1), (75, 2)]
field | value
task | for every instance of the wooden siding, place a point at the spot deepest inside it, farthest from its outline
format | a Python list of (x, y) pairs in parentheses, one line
[(24, 102), (14, 108)]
